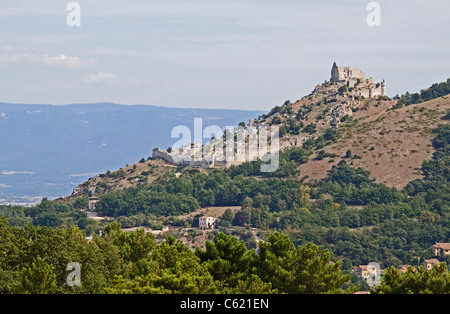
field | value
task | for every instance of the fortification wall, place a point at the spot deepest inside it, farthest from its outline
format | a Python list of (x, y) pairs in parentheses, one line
[(157, 153), (372, 92), (351, 72), (364, 93)]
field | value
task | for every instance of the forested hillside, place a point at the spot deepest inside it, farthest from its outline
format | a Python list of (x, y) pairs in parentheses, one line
[(358, 220), (284, 229)]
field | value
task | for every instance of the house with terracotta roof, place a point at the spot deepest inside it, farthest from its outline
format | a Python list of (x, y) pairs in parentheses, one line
[(363, 271), (429, 263), (403, 269), (439, 248)]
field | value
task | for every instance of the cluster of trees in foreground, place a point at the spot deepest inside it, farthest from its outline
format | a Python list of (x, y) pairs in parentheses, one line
[(35, 259)]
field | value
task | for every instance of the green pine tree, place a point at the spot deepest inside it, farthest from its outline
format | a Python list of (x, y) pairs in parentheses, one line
[(39, 278)]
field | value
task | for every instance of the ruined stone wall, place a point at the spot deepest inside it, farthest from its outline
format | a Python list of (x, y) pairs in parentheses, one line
[(351, 72), (157, 153), (346, 73), (372, 92), (364, 93), (377, 92)]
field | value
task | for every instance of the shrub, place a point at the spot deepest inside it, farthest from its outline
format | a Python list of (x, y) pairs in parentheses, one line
[(343, 89)]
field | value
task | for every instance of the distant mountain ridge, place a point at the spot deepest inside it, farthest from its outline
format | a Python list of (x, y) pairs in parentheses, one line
[(46, 149)]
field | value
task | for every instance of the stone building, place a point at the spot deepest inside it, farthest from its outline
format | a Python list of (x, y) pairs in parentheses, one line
[(356, 78), (428, 264), (92, 201), (206, 222), (373, 90), (439, 248), (363, 272), (341, 74)]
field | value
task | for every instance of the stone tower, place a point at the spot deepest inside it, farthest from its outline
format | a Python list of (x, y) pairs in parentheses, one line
[(383, 88), (334, 73)]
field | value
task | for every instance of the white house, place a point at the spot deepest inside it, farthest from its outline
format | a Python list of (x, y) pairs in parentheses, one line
[(207, 222)]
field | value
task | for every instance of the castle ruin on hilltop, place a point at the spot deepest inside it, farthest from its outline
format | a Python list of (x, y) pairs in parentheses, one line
[(354, 77), (214, 153)]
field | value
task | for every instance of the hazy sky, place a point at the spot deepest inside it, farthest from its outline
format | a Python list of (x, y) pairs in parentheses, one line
[(238, 54)]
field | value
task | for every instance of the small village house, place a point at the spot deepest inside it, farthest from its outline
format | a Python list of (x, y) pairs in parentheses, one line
[(362, 272), (206, 222), (439, 248), (92, 201), (429, 263)]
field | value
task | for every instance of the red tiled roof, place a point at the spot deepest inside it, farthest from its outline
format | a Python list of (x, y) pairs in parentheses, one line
[(404, 268), (444, 246), (363, 267), (432, 261)]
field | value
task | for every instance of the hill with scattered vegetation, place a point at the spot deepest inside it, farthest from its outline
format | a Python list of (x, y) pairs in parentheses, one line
[(364, 179)]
